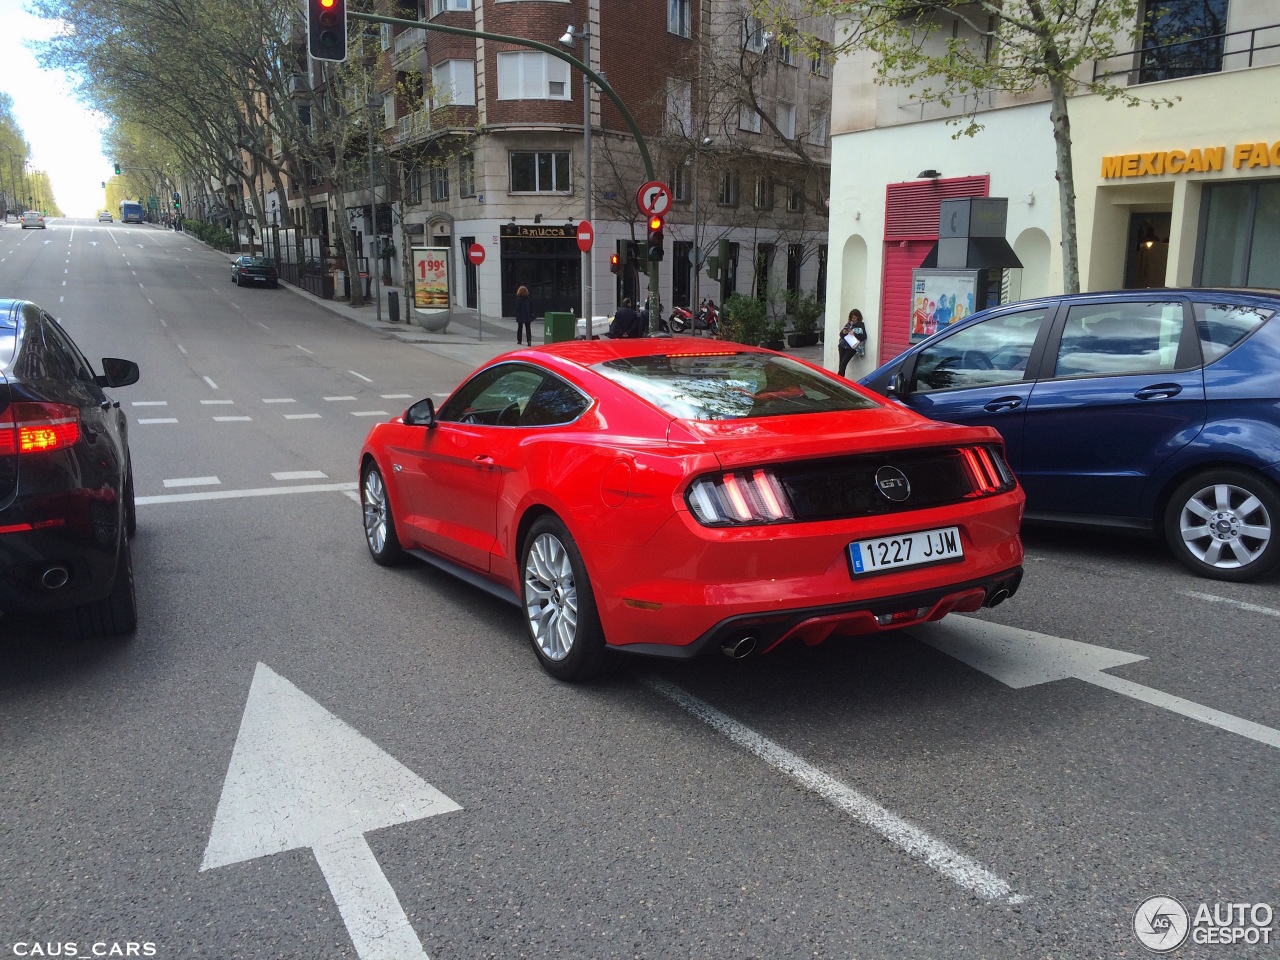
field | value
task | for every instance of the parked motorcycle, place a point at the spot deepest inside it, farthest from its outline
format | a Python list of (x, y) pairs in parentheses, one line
[(707, 318)]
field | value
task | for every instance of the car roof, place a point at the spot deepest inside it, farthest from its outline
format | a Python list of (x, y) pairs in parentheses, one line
[(587, 353)]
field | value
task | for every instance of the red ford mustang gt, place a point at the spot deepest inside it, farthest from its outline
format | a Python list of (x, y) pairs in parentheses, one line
[(669, 496)]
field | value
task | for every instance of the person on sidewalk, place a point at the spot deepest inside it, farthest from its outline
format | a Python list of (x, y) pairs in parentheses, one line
[(524, 316), (853, 339), (625, 321)]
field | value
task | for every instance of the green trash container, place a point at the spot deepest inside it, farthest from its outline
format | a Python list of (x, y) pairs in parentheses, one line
[(558, 327)]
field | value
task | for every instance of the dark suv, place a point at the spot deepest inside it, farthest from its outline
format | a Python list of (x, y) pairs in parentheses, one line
[(66, 484), (1148, 410)]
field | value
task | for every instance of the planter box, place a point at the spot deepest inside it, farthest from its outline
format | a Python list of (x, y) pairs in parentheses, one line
[(802, 339), (773, 344)]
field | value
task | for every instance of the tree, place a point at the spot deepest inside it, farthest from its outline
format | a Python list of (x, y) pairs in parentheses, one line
[(1016, 47)]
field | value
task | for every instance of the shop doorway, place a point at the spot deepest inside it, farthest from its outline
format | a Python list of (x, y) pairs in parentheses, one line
[(1147, 254)]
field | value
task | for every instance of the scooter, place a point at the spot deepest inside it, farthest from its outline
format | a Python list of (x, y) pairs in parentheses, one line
[(681, 318), (706, 319)]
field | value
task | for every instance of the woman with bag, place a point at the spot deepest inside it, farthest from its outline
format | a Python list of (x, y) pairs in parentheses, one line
[(853, 339), (524, 316)]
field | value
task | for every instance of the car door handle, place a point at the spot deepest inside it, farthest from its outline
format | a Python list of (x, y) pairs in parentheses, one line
[(1003, 403), (1159, 391), (105, 404), (483, 461)]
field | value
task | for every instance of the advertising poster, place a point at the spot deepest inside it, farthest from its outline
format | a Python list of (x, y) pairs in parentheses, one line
[(431, 278), (939, 298)]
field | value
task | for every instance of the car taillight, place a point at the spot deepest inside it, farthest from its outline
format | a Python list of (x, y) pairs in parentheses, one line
[(739, 497), (987, 471), (29, 427)]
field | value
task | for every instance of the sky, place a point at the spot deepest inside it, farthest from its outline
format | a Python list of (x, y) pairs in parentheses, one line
[(65, 138)]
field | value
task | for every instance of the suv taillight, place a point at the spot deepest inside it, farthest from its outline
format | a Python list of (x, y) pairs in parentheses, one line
[(29, 427)]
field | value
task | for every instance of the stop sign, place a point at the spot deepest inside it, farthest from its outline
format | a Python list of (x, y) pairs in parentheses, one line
[(475, 253), (585, 236)]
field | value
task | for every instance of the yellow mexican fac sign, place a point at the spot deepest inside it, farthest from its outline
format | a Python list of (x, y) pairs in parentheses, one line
[(431, 278), (1244, 156)]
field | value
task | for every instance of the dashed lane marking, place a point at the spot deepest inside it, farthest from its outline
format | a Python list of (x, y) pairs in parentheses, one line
[(361, 376), (150, 403), (193, 482), (302, 348), (302, 416), (300, 475), (279, 400), (339, 398), (146, 420), (211, 384), (255, 492), (216, 403), (370, 413), (231, 419), (396, 396)]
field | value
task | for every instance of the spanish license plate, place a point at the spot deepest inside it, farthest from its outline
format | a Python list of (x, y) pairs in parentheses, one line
[(906, 550)]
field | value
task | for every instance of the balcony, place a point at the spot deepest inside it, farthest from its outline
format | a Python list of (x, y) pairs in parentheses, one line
[(1194, 57), (413, 126), (408, 45)]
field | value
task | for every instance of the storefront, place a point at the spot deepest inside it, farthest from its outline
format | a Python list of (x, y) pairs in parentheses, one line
[(547, 261)]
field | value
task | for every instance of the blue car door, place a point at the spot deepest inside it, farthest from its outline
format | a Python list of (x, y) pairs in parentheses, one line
[(1122, 391), (980, 374)]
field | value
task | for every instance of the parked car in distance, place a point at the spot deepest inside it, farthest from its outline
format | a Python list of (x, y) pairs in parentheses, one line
[(33, 219), (66, 481), (1147, 410), (669, 497), (105, 217), (254, 271)]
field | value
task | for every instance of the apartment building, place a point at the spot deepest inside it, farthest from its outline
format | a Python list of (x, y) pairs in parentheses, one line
[(489, 147), (1184, 195)]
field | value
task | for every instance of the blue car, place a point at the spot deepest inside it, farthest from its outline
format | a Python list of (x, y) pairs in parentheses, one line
[(1155, 411)]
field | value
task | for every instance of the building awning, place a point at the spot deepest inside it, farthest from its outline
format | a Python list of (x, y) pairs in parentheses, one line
[(984, 253)]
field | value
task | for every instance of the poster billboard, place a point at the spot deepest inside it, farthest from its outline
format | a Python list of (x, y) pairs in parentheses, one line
[(431, 278), (939, 298)]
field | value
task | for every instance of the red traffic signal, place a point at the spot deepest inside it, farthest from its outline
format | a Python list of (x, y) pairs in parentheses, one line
[(656, 251), (327, 29), (613, 263)]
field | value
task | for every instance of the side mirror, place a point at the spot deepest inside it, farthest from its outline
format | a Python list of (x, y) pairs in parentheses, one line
[(897, 386), (421, 414), (117, 373)]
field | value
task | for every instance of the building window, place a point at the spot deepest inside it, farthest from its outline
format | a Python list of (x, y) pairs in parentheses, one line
[(786, 119), (786, 55), (1239, 234), (764, 259), (752, 34), (680, 182), (727, 194), (795, 260), (467, 175), (818, 135), (455, 83), (822, 273), (679, 115), (413, 184), (532, 76), (820, 63), (795, 198), (384, 36), (540, 172), (440, 181), (440, 6), (748, 119), (1182, 38), (764, 194), (678, 17)]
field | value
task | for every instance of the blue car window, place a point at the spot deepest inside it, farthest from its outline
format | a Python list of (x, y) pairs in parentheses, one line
[(1115, 338), (989, 352), (1223, 325)]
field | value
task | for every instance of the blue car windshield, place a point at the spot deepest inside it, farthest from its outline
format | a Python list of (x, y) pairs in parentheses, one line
[(728, 385)]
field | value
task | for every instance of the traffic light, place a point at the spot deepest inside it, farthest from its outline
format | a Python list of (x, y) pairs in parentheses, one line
[(104, 184), (327, 29), (117, 169), (177, 202), (713, 268), (614, 266), (656, 252)]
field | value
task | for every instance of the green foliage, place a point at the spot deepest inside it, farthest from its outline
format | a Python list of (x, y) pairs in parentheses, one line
[(744, 320), (211, 234), (805, 311)]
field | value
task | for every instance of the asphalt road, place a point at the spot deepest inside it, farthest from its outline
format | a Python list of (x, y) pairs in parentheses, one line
[(870, 798)]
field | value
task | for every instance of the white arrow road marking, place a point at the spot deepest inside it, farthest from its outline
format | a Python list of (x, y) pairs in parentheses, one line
[(1023, 658), (1238, 604), (300, 777), (952, 864)]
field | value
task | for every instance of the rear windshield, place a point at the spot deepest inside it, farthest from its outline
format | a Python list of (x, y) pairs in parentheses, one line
[(257, 262), (731, 386)]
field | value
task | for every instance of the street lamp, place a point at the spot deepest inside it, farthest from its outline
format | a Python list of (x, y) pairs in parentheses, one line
[(375, 280), (570, 41)]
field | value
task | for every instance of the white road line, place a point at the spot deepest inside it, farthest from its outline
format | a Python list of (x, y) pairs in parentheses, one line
[(361, 376), (280, 400), (441, 394), (193, 482), (237, 306), (952, 864), (238, 494), (370, 413), (211, 383), (300, 475), (182, 349), (150, 403), (1239, 604), (162, 323), (159, 420), (302, 348), (354, 495), (60, 299), (262, 325), (396, 396), (216, 403), (150, 301), (302, 416), (339, 398), (231, 419)]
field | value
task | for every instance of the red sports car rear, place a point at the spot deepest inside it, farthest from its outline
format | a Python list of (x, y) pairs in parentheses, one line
[(671, 496)]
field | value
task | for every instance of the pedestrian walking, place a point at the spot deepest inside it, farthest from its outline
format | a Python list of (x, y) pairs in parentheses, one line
[(524, 316), (626, 322), (853, 339)]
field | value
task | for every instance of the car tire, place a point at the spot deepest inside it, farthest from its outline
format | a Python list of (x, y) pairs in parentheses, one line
[(1224, 524), (117, 613), (558, 603), (379, 522), (130, 504)]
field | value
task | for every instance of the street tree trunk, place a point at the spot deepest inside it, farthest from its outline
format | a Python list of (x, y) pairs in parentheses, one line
[(1066, 184)]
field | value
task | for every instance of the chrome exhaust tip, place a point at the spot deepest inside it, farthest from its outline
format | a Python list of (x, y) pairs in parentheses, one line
[(55, 578), (739, 647), (997, 597)]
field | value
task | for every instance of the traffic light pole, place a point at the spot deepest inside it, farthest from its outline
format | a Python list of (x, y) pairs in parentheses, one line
[(573, 61)]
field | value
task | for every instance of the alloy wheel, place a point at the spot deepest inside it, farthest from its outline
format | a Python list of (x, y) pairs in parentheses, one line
[(1225, 526), (374, 498), (551, 597)]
